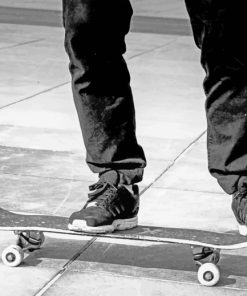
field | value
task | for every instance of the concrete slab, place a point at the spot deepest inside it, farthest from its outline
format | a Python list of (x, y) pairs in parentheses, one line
[(169, 102), (196, 210), (45, 4), (44, 163), (162, 148), (50, 109), (192, 163), (24, 281), (93, 282), (168, 262), (142, 44), (141, 7), (22, 35), (42, 195), (41, 138), (29, 78), (159, 8)]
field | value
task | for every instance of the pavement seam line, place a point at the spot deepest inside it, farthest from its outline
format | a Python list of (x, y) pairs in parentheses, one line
[(21, 44), (174, 161), (189, 190), (64, 83), (151, 50), (66, 266), (35, 95)]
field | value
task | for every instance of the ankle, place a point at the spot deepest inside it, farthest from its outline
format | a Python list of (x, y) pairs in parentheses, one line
[(112, 177)]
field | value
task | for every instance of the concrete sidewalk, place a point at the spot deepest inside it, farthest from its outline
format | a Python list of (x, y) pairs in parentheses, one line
[(43, 161), (158, 8)]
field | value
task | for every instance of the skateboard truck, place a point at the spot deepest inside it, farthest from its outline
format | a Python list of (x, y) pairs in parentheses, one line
[(30, 240), (27, 241), (206, 259)]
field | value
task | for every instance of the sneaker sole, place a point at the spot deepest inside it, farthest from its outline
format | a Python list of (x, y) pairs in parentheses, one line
[(242, 230), (120, 224)]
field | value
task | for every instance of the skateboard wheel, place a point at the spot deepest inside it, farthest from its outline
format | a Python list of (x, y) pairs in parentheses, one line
[(12, 256), (208, 274)]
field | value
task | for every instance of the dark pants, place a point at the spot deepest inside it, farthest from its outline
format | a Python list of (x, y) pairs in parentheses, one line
[(94, 41), (220, 28)]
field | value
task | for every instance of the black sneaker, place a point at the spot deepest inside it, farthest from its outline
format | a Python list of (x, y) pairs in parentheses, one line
[(108, 208), (239, 207)]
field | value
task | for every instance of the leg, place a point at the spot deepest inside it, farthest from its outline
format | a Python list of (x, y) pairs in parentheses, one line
[(94, 40), (219, 28)]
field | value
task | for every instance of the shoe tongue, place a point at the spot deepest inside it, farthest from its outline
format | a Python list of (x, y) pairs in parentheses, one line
[(111, 177)]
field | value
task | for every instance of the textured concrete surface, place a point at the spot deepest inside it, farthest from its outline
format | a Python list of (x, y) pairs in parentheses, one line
[(160, 8), (42, 157)]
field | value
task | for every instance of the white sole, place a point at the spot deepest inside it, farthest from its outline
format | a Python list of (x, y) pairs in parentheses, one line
[(120, 224), (242, 230)]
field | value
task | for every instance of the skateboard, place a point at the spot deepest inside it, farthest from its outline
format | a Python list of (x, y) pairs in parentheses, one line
[(206, 245)]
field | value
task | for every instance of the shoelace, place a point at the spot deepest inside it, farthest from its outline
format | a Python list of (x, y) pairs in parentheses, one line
[(240, 195), (103, 194)]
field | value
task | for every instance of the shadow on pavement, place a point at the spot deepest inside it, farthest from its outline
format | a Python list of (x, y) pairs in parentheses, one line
[(137, 259)]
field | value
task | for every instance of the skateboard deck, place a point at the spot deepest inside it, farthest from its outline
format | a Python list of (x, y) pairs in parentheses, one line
[(208, 243), (10, 221)]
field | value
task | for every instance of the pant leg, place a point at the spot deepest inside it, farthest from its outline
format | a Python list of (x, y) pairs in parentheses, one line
[(95, 43), (220, 28)]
